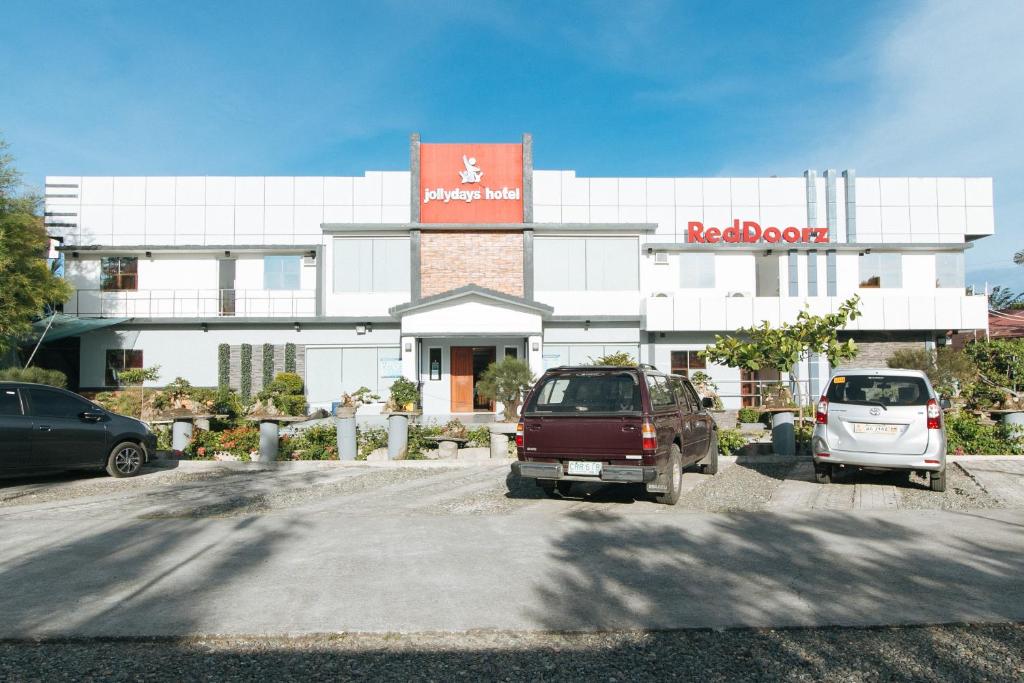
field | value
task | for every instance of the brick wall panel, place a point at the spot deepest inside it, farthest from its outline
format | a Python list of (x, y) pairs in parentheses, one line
[(452, 259)]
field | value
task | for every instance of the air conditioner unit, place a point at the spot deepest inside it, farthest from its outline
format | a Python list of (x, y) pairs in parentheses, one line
[(661, 258)]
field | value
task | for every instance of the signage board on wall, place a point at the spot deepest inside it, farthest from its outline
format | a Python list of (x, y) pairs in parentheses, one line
[(471, 183), (751, 232)]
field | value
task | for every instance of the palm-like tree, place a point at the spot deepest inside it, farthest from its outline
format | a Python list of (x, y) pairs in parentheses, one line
[(1002, 298), (1018, 258)]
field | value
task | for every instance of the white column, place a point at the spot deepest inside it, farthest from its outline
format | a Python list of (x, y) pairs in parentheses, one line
[(409, 370), (535, 354)]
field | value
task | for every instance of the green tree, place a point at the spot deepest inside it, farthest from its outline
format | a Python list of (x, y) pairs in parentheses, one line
[(29, 286), (506, 381), (948, 370), (622, 358), (782, 348), (1002, 298)]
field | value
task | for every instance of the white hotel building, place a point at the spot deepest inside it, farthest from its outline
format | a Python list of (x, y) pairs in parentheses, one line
[(361, 279)]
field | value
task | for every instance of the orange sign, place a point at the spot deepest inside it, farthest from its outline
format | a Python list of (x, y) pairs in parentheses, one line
[(467, 183)]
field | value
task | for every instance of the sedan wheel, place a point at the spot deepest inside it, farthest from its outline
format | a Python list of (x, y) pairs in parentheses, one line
[(125, 460)]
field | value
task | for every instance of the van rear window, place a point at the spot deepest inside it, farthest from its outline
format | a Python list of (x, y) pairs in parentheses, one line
[(885, 390), (586, 392)]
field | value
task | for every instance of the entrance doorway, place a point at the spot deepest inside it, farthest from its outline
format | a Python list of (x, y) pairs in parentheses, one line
[(467, 365)]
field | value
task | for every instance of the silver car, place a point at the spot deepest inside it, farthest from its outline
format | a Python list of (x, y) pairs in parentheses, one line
[(880, 418)]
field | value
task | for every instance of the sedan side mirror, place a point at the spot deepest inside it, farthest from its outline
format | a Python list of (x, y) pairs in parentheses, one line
[(945, 404), (91, 416), (707, 402)]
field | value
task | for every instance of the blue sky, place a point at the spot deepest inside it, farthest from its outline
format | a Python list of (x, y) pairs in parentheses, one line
[(634, 88)]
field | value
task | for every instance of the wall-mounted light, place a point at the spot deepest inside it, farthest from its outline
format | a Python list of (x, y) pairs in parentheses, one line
[(149, 254), (586, 324), (74, 254), (867, 251), (369, 327), (298, 327), (311, 253), (206, 328), (408, 347), (227, 252), (535, 346), (360, 329)]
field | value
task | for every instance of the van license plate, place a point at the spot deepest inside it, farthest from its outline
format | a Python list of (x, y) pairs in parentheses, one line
[(587, 468), (867, 428)]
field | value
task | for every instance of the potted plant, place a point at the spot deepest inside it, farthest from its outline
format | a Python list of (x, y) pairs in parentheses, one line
[(405, 395), (350, 403)]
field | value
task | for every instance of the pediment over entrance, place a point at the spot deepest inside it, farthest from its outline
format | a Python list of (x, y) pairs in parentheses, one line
[(472, 310)]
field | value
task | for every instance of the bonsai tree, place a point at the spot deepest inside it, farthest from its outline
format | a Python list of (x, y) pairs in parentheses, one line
[(285, 392), (357, 399), (705, 387), (782, 348), (404, 394), (615, 359), (506, 381), (139, 376)]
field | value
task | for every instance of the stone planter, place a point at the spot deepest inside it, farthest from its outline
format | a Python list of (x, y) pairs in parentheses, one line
[(398, 436), (500, 434), (783, 433)]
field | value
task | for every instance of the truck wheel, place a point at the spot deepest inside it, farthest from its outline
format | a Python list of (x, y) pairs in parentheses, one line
[(937, 480), (675, 478), (709, 465), (823, 474)]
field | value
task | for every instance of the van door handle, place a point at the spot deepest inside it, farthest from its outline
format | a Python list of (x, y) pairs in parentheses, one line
[(45, 428)]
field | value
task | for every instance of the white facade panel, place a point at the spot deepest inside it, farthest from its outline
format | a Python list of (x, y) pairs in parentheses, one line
[(978, 191), (717, 192), (190, 191), (97, 190), (547, 189), (660, 192), (689, 192)]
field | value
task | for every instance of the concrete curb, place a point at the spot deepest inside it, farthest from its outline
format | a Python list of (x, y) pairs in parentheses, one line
[(314, 465), (969, 458)]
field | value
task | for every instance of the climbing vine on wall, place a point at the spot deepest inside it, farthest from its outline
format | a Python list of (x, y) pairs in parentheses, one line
[(246, 372), (223, 366), (268, 364), (289, 357)]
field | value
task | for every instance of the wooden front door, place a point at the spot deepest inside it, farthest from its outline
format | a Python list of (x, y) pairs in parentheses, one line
[(462, 379)]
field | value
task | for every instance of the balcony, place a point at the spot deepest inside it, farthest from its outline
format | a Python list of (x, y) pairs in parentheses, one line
[(939, 311), (192, 303)]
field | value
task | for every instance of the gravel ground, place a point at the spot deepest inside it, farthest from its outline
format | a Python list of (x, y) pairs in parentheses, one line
[(741, 487), (927, 653), (266, 502), (73, 485)]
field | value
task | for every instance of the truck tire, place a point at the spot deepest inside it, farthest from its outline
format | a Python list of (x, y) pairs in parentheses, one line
[(675, 478), (937, 481), (709, 465)]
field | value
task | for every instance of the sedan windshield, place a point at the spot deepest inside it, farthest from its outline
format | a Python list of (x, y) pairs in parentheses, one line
[(878, 390), (587, 392)]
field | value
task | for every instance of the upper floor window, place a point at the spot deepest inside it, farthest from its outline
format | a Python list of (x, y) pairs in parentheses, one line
[(118, 360), (371, 265), (119, 273), (949, 270), (282, 272), (883, 271), (592, 264), (696, 271)]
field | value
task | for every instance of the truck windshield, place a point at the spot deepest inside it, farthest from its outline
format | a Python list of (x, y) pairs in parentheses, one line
[(587, 392), (878, 390)]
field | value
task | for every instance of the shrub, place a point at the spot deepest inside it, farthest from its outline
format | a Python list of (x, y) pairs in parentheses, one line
[(621, 358), (403, 392), (289, 357), (240, 441), (479, 437), (950, 371), (371, 438), (506, 381), (223, 366), (245, 367), (204, 444), (966, 433), (418, 442), (730, 441), (319, 442), (53, 378), (268, 364), (748, 415), (285, 392)]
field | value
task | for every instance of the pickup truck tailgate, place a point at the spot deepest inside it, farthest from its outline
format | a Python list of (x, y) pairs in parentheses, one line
[(582, 437)]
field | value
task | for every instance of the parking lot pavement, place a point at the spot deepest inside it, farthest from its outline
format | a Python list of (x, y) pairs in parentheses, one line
[(1002, 477), (359, 548)]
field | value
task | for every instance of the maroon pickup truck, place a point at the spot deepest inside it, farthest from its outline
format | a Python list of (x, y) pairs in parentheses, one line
[(614, 424)]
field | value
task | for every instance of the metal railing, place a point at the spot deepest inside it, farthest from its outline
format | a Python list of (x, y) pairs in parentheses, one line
[(756, 392), (191, 303)]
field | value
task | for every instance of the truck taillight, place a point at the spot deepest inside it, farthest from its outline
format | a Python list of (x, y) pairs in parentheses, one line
[(934, 414), (821, 416), (650, 437), (519, 435)]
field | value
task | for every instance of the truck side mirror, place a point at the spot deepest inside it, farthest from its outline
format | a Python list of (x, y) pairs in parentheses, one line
[(707, 402)]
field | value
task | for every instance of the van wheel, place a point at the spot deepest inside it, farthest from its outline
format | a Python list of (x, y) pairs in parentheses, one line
[(125, 460), (823, 474), (937, 480), (675, 478), (709, 465)]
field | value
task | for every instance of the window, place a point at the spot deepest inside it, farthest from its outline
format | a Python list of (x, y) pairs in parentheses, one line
[(49, 403), (434, 362), (119, 273), (511, 352), (661, 395), (949, 270), (685, 361), (281, 272), (685, 400), (794, 274), (9, 403), (583, 392), (575, 264), (830, 273), (812, 273), (696, 271), (881, 390), (371, 265), (881, 271), (118, 360)]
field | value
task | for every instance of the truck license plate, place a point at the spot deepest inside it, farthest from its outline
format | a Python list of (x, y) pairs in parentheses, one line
[(866, 428), (587, 468)]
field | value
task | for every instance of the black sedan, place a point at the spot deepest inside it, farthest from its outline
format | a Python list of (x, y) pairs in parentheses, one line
[(44, 429)]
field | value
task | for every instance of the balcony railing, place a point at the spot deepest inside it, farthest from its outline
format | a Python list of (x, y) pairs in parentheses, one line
[(192, 303)]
